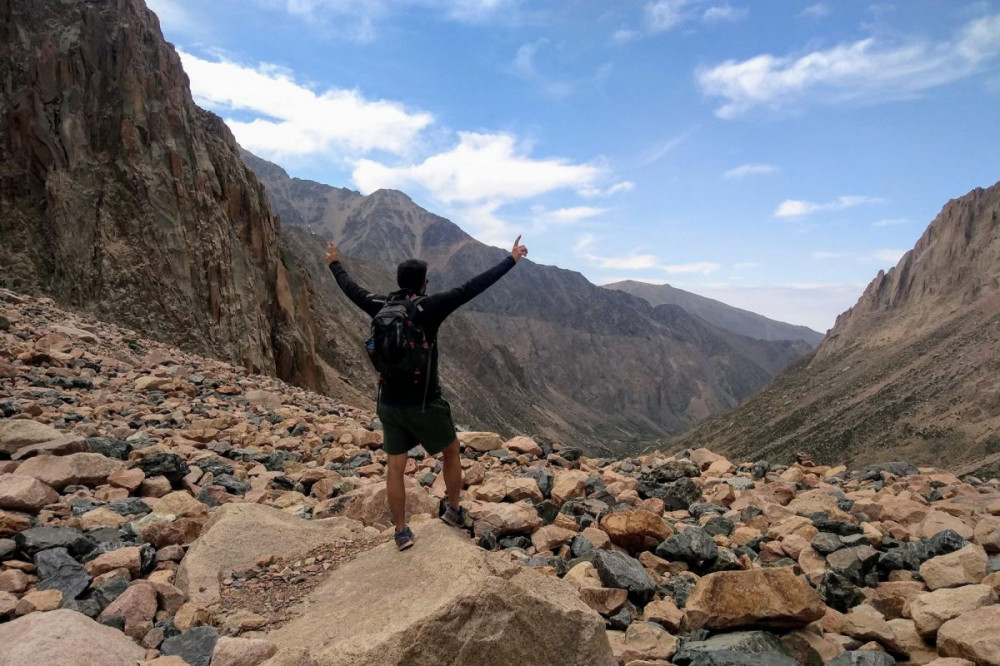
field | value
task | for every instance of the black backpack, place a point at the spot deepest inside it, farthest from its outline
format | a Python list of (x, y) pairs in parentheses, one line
[(398, 346)]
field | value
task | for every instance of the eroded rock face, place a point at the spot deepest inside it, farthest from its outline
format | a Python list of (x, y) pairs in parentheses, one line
[(455, 604), (237, 535), (117, 186)]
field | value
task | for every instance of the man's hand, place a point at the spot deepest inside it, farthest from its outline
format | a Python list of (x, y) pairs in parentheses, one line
[(333, 254), (518, 251)]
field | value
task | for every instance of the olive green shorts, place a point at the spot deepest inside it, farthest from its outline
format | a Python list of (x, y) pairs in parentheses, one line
[(405, 427)]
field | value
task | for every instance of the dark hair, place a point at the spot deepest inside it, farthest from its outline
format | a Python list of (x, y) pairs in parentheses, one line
[(411, 274)]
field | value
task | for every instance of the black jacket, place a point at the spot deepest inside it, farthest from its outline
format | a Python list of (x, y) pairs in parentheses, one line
[(434, 310)]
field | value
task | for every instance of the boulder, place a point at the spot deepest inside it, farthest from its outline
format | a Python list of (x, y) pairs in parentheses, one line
[(929, 611), (643, 641), (369, 505), (635, 530), (987, 533), (966, 566), (66, 638), (242, 651), (524, 445), (195, 646), (626, 573), (61, 446), (759, 597), (972, 636), (503, 518), (568, 485), (456, 604), (88, 469), (237, 535), (25, 493), (17, 434), (481, 441)]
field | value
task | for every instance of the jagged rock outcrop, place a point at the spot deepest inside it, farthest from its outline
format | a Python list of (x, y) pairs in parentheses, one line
[(544, 348), (121, 197), (910, 371)]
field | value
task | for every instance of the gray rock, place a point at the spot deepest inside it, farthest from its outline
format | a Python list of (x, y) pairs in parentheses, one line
[(169, 465), (862, 658), (694, 546), (7, 548), (110, 447), (854, 563), (827, 542), (37, 539), (195, 646), (58, 571), (742, 642), (874, 472), (623, 572), (680, 494)]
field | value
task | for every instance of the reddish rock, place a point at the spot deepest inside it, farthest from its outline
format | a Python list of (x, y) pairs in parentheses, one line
[(604, 600), (25, 493), (89, 469), (963, 567), (635, 530), (761, 597), (137, 605), (972, 636)]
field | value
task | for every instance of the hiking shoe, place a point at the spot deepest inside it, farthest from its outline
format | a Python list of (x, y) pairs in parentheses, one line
[(404, 539), (459, 518)]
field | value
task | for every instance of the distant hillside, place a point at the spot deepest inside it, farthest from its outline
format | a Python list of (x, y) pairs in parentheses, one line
[(742, 322), (912, 371), (544, 348)]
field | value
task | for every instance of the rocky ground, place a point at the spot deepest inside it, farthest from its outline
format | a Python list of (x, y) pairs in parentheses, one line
[(161, 508)]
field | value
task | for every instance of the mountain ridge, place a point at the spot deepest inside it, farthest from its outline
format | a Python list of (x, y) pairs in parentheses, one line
[(737, 320), (909, 371)]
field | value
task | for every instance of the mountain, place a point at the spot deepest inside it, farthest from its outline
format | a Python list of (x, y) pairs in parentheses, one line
[(120, 197), (742, 322), (544, 348), (911, 371)]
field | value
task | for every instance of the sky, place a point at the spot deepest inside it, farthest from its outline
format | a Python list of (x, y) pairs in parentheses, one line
[(773, 155)]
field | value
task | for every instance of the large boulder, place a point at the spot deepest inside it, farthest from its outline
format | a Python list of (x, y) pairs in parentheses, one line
[(88, 469), (451, 603), (929, 611), (755, 598), (66, 638), (17, 434), (25, 493), (503, 518), (369, 505), (972, 636), (636, 530), (237, 535), (966, 566)]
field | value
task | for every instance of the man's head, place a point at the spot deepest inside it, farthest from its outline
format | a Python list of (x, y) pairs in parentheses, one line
[(412, 275)]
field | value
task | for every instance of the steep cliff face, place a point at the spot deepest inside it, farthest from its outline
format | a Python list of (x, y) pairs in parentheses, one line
[(544, 348), (118, 195), (911, 371)]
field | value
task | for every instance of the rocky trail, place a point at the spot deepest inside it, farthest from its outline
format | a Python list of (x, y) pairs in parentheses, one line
[(161, 508)]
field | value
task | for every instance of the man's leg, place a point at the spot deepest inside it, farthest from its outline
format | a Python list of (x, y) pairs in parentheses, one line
[(396, 491), (453, 473)]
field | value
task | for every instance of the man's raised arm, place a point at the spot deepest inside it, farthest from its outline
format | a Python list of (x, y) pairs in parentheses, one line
[(361, 297), (443, 304)]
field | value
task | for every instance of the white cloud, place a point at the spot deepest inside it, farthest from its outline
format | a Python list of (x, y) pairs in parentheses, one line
[(864, 71), (702, 267), (293, 119), (623, 36), (617, 188), (667, 146), (888, 256), (745, 170), (481, 168), (524, 66), (664, 15), (635, 261), (725, 13), (359, 19), (794, 208), (568, 215), (890, 222), (817, 11)]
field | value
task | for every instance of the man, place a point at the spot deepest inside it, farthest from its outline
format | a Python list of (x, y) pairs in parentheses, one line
[(415, 412)]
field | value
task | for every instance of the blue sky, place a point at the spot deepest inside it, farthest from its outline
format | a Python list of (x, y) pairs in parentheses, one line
[(774, 155)]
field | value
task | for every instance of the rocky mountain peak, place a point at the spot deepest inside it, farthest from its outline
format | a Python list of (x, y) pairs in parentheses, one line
[(123, 198), (954, 264)]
